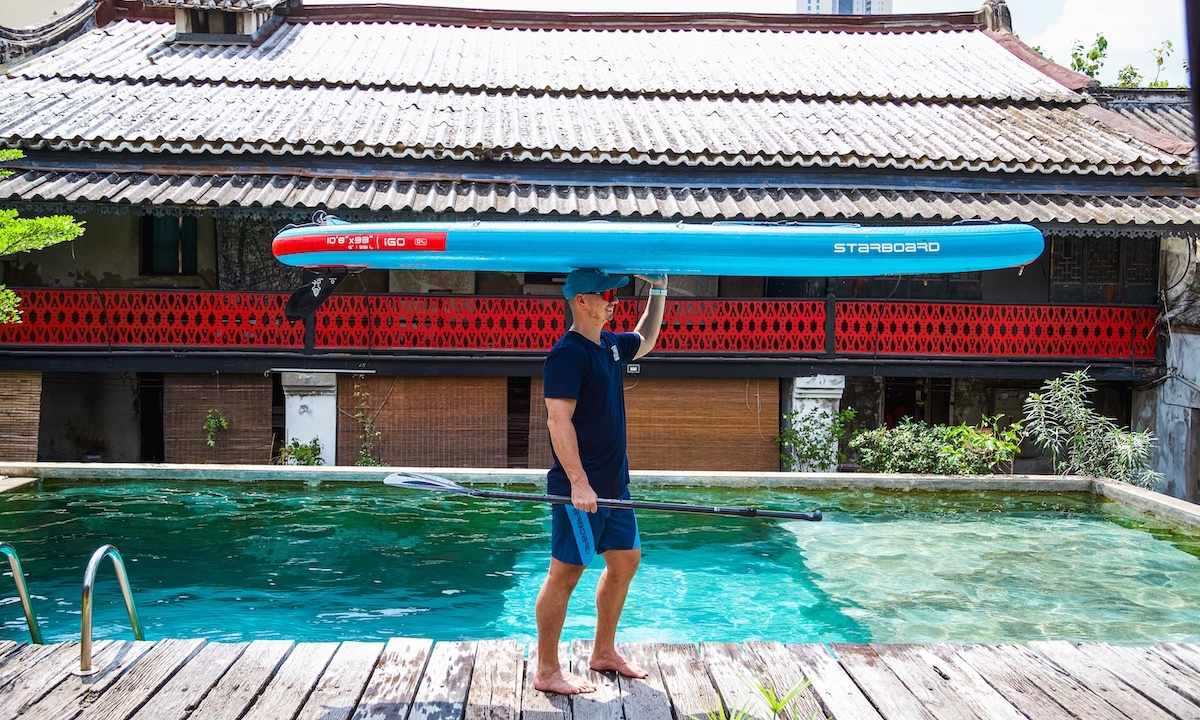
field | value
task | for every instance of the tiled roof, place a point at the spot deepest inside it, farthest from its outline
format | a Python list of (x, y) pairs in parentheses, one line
[(905, 66), (608, 106), (306, 120), (287, 195)]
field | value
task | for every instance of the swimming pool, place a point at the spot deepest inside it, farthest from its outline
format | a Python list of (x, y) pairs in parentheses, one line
[(341, 561)]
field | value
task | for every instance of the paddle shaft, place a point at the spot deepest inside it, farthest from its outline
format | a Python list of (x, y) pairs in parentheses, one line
[(648, 505)]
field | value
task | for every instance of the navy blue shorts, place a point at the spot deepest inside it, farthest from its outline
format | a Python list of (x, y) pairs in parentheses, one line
[(612, 529)]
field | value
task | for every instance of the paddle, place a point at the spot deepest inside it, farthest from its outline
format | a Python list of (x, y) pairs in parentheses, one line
[(423, 481)]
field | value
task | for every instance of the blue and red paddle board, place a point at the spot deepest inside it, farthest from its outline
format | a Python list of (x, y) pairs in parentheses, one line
[(747, 249)]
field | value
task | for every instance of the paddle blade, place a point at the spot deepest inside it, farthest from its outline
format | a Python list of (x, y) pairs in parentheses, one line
[(423, 481), (305, 300)]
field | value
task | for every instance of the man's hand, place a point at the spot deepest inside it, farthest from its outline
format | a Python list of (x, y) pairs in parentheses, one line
[(656, 281), (583, 497)]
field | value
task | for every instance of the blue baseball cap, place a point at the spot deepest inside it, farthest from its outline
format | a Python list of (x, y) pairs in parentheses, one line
[(591, 280)]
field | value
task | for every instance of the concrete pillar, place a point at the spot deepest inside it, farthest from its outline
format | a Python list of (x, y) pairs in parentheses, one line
[(816, 393), (310, 410)]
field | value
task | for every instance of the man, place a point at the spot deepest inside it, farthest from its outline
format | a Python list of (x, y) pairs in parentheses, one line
[(585, 403)]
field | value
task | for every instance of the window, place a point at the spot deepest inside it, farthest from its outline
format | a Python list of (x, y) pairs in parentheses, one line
[(1104, 270), (168, 245)]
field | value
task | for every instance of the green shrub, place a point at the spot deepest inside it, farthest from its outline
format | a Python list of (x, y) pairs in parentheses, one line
[(1081, 441), (916, 447), (809, 441), (298, 453)]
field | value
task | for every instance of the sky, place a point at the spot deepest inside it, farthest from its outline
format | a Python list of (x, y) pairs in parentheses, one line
[(1133, 27)]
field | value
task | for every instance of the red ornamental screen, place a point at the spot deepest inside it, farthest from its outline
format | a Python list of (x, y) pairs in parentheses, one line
[(1043, 331), (213, 320), (152, 318)]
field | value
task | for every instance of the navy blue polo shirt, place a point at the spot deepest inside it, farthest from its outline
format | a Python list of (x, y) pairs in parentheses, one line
[(592, 375)]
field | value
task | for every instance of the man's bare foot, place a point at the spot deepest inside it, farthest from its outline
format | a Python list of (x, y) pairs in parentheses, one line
[(616, 663), (562, 683)]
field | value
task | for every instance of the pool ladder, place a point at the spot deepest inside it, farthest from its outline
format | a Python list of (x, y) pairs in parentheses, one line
[(89, 582), (14, 562)]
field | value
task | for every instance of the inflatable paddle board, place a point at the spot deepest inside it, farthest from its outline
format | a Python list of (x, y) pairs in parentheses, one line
[(728, 248)]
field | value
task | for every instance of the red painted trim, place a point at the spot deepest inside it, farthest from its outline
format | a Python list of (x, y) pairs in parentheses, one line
[(1056, 72)]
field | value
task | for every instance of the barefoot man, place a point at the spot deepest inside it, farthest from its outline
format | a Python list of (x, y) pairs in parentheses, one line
[(585, 401)]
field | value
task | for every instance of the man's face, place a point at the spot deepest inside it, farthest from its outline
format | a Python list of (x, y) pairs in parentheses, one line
[(600, 306)]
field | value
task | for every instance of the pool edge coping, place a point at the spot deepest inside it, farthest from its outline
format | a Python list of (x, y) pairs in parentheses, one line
[(1139, 499)]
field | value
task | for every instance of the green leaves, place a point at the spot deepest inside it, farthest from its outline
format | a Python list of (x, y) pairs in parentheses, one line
[(809, 441), (1081, 441), (18, 234), (916, 447)]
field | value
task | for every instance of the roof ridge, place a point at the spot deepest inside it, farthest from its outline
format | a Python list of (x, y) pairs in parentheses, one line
[(542, 20)]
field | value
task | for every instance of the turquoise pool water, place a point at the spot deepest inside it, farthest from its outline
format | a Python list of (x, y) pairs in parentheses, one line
[(237, 561)]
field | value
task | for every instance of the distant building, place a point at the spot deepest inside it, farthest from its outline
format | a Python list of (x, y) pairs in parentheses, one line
[(844, 7)]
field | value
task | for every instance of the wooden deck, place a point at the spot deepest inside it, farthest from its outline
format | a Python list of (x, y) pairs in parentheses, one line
[(486, 680)]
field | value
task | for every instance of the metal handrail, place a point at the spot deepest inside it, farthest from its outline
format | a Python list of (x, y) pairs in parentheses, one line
[(89, 581), (14, 562)]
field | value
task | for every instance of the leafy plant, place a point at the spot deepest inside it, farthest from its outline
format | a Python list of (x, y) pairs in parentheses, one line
[(1160, 53), (809, 441), (916, 447), (298, 453), (1089, 60), (214, 424), (1081, 441), (776, 703), (18, 234), (366, 421)]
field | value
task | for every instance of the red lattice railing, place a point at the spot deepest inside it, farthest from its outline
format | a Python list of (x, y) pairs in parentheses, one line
[(152, 318), (463, 322), (914, 329), (213, 320)]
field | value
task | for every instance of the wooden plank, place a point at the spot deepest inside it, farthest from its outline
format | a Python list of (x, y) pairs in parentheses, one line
[(605, 702), (342, 684), (1058, 684), (644, 698), (295, 679), (737, 678), (63, 702), (1176, 669), (244, 681), (7, 648), (688, 685), (1023, 693), (887, 693), (929, 681), (1155, 679), (783, 673), (496, 681), (37, 680), (1188, 654), (839, 694), (538, 705), (442, 694), (24, 659), (183, 692), (393, 685), (1099, 680), (141, 681)]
